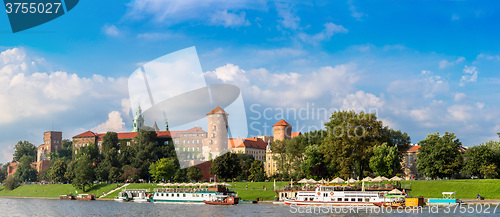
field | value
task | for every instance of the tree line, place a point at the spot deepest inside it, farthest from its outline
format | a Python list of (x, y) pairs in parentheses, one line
[(356, 145)]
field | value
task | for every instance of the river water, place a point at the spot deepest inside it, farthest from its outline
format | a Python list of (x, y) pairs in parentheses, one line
[(44, 207)]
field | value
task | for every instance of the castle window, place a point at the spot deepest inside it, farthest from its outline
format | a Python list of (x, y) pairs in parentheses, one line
[(197, 148), (197, 141), (183, 141), (128, 143)]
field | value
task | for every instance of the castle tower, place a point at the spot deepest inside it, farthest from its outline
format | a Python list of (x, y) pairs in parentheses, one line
[(282, 130), (138, 120), (217, 133), (52, 140)]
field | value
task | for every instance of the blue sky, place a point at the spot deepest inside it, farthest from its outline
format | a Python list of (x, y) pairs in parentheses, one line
[(424, 66)]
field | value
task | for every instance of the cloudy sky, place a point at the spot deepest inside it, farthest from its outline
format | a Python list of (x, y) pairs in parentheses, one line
[(422, 66)]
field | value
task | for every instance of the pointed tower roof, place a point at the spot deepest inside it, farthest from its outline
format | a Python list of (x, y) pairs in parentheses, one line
[(155, 126), (217, 110), (282, 123)]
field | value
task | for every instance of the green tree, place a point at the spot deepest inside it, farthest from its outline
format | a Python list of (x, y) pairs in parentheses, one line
[(24, 171), (65, 153), (57, 171), (475, 158), (109, 167), (3, 171), (385, 160), (489, 171), (349, 142), (194, 173), (257, 171), (84, 173), (146, 149), (11, 183), (245, 162), (226, 166), (23, 148), (130, 173), (164, 168), (439, 156), (312, 158)]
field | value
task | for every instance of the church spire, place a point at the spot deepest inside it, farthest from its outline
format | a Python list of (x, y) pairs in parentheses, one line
[(138, 119), (166, 124)]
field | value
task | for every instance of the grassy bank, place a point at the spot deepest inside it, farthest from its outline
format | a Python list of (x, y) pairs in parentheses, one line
[(52, 190), (464, 188)]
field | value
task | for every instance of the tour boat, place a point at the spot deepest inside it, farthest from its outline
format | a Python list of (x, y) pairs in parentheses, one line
[(222, 200), (85, 197), (189, 195), (339, 196)]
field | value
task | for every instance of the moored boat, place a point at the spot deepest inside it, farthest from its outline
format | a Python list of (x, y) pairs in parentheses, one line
[(190, 195), (85, 197), (338, 196), (222, 200), (67, 197)]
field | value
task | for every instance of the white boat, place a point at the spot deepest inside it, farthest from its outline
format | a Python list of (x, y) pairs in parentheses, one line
[(338, 196), (134, 195), (188, 195)]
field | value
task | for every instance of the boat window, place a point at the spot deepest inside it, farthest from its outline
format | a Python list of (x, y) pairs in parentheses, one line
[(177, 195), (360, 199), (184, 195), (201, 195), (346, 199), (311, 199), (367, 199), (339, 199), (353, 199), (305, 199), (162, 194)]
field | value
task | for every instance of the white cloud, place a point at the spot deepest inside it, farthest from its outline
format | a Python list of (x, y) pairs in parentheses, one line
[(157, 35), (445, 63), (7, 153), (114, 123), (175, 11), (227, 19), (354, 11), (287, 18), (461, 112), (330, 30), (427, 86), (488, 57), (32, 97), (228, 73), (110, 30), (459, 97), (470, 75), (361, 101), (289, 89)]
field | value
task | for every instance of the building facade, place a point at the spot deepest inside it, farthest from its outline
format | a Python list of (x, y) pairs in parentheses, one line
[(255, 147)]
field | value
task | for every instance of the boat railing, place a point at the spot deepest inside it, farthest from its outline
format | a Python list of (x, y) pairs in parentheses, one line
[(179, 190)]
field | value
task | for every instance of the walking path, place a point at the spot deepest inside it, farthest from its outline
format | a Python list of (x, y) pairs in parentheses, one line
[(125, 185)]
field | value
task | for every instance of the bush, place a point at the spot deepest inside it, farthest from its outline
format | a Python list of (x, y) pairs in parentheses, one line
[(11, 183)]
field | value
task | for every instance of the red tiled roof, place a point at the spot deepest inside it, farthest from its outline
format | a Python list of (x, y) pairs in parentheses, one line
[(414, 148), (294, 134), (282, 123), (253, 142), (86, 134), (217, 110)]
